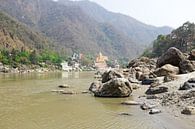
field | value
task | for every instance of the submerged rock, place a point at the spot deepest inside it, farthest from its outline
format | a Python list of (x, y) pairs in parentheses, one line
[(125, 114), (117, 87), (64, 86)]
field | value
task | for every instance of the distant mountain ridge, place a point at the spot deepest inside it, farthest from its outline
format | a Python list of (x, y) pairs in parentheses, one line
[(83, 26)]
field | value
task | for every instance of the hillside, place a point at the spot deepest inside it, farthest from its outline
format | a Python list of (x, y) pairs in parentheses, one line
[(14, 35), (182, 38), (76, 27), (136, 30)]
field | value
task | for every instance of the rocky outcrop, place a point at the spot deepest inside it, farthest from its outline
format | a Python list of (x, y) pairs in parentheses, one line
[(167, 70), (110, 74), (117, 87), (172, 56), (141, 68)]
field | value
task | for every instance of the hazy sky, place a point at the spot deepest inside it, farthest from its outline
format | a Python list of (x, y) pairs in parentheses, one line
[(155, 12)]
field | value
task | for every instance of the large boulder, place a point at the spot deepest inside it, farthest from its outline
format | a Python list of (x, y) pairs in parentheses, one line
[(172, 56), (167, 70), (117, 87), (187, 66), (111, 74)]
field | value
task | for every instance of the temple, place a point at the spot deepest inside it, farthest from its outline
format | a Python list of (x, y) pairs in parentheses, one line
[(100, 62)]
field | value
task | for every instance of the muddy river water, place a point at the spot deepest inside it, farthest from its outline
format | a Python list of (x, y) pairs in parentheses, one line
[(26, 102)]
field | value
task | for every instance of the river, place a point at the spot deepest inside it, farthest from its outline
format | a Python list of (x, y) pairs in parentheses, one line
[(26, 102)]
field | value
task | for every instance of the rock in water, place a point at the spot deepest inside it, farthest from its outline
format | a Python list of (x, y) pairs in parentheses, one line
[(156, 90), (155, 111), (166, 70), (117, 87), (172, 56), (111, 74), (64, 86), (129, 102), (189, 110), (147, 106)]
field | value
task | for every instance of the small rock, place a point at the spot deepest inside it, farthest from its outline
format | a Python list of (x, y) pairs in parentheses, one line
[(129, 102), (189, 110), (64, 86), (187, 86), (125, 114), (191, 80), (148, 81), (154, 111), (156, 90), (147, 106)]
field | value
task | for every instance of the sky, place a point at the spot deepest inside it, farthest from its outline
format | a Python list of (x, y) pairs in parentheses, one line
[(171, 13)]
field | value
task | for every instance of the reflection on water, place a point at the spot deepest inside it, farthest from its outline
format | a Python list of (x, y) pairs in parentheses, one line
[(27, 103)]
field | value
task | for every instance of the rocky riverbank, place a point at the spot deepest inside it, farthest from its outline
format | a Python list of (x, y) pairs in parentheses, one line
[(27, 68), (164, 85)]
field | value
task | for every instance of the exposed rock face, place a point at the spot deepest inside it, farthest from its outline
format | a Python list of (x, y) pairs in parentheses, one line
[(156, 90), (173, 56), (167, 70), (108, 75), (117, 87), (187, 66)]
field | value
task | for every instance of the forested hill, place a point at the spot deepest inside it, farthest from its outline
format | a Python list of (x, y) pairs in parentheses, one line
[(83, 26), (182, 38)]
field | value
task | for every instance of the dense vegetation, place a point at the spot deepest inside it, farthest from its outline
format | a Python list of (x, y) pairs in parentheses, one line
[(17, 57), (182, 38)]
